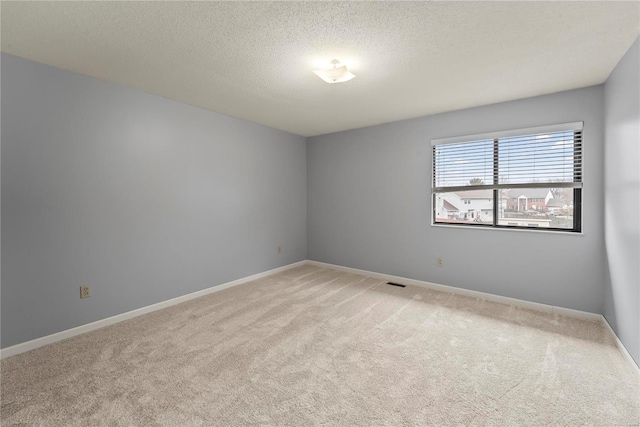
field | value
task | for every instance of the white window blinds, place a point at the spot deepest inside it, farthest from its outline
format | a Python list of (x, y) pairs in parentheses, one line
[(549, 156)]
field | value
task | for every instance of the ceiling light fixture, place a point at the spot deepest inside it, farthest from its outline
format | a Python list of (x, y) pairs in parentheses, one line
[(336, 74)]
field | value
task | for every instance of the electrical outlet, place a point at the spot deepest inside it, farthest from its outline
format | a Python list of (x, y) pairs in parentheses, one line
[(85, 291), (439, 262)]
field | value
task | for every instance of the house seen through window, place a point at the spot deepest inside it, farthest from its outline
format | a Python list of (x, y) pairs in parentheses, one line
[(528, 178)]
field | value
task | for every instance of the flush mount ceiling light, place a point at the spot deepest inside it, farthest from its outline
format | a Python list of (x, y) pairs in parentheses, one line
[(335, 74)]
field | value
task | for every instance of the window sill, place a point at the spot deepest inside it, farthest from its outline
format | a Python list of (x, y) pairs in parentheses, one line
[(511, 230)]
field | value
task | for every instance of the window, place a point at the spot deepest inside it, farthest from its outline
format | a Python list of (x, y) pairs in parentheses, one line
[(527, 178)]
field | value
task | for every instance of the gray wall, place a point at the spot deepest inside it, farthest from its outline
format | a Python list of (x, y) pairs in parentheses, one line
[(622, 200), (369, 207), (142, 198)]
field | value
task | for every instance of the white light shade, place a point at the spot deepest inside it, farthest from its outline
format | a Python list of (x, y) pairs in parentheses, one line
[(335, 74)]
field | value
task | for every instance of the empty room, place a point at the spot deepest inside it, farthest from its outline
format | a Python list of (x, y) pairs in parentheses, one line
[(320, 213)]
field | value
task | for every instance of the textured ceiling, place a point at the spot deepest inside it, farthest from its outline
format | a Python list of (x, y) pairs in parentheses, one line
[(254, 60)]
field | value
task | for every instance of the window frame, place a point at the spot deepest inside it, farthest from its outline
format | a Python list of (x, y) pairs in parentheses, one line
[(576, 184)]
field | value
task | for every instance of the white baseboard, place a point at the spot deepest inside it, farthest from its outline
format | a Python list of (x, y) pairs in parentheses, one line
[(62, 335), (621, 347), (577, 314), (466, 292)]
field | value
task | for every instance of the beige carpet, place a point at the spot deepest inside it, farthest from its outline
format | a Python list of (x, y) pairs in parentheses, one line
[(314, 346)]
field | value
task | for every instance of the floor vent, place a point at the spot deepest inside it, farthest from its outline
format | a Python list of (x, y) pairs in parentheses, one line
[(397, 284)]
